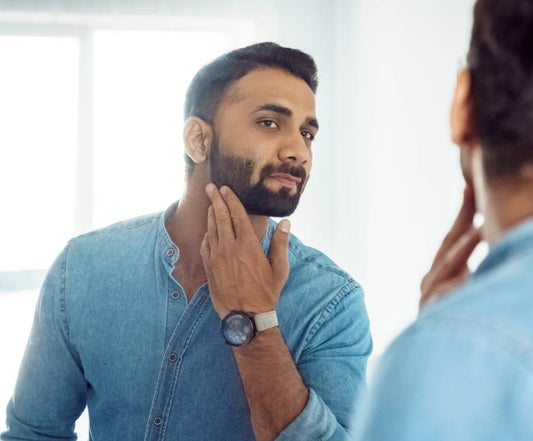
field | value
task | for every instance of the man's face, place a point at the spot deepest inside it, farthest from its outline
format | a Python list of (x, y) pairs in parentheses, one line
[(264, 128)]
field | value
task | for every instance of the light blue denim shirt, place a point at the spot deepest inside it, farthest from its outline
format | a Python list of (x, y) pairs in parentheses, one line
[(113, 331), (464, 370)]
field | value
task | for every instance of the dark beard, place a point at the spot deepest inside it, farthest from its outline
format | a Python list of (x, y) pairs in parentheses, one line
[(236, 173)]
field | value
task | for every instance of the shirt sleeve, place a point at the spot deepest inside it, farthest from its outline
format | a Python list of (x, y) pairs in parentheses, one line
[(50, 393), (333, 367), (448, 382)]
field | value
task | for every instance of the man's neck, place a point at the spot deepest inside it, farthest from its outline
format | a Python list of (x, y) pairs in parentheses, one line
[(504, 203), (187, 226)]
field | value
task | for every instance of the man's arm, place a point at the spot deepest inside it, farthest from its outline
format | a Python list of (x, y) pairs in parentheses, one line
[(274, 388), (332, 367), (283, 402), (50, 392)]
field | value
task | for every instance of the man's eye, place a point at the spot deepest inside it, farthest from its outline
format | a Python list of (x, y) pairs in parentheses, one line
[(268, 123), (308, 135)]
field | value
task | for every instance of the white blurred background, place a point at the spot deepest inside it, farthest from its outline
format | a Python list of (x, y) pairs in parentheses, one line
[(91, 97)]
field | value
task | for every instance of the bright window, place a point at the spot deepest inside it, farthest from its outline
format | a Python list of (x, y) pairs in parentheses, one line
[(38, 114)]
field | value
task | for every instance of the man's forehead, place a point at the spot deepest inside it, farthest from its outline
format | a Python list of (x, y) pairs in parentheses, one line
[(267, 85)]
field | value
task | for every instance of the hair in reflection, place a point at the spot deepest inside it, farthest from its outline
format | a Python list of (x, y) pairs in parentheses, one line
[(501, 63)]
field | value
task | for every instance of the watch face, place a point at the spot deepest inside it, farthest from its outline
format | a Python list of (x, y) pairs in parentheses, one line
[(237, 328)]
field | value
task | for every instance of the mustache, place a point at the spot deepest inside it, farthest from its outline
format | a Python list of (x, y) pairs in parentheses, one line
[(294, 170)]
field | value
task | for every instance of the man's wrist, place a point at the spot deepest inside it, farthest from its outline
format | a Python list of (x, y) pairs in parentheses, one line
[(262, 340), (239, 328), (248, 307)]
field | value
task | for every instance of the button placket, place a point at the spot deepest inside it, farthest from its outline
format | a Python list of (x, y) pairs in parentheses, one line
[(164, 395)]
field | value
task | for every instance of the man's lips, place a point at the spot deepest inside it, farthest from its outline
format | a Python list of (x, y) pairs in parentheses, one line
[(286, 179)]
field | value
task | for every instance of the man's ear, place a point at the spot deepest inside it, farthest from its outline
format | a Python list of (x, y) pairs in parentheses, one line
[(462, 118), (197, 137)]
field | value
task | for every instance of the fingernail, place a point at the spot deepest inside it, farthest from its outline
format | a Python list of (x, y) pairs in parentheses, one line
[(224, 190), (210, 188), (285, 226)]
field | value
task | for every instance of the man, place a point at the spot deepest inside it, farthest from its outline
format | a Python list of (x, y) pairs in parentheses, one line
[(464, 369), (127, 324)]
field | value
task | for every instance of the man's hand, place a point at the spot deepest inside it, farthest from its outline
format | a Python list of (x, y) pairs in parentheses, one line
[(449, 269), (240, 276)]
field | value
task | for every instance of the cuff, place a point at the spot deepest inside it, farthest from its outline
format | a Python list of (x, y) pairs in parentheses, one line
[(316, 422)]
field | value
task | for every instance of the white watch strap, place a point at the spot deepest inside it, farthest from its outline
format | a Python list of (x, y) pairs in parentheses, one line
[(265, 320)]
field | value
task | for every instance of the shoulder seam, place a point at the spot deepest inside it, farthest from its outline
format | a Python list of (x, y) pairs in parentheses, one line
[(330, 306), (62, 292), (329, 268), (125, 227)]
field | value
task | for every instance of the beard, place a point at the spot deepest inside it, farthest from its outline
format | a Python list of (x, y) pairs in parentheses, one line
[(257, 199)]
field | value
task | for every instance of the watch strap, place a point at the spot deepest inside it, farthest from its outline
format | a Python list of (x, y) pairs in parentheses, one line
[(265, 320)]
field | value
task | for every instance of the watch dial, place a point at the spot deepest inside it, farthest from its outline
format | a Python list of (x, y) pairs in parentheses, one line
[(237, 329)]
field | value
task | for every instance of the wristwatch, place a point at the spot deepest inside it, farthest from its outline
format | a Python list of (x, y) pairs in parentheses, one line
[(239, 327)]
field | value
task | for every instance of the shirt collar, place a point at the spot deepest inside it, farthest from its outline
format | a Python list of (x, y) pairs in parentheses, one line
[(512, 242), (169, 251)]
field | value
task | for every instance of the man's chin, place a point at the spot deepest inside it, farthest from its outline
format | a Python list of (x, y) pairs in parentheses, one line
[(271, 207)]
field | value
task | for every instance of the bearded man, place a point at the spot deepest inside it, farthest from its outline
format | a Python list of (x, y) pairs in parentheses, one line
[(177, 325)]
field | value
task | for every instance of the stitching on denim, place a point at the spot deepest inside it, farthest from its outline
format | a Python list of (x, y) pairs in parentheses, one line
[(122, 226), (170, 399), (328, 309), (313, 261), (161, 376), (62, 293)]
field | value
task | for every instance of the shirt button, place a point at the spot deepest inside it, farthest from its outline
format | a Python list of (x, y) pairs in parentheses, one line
[(170, 252), (175, 294), (172, 357), (157, 421)]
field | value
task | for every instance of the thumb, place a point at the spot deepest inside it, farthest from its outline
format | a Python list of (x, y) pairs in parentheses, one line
[(279, 248)]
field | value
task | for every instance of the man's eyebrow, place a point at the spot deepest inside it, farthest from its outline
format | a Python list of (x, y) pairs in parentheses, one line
[(312, 122), (285, 111)]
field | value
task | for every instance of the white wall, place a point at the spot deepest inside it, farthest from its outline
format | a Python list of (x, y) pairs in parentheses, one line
[(398, 176)]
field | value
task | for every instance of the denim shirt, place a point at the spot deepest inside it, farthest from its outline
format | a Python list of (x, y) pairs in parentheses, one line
[(113, 330), (464, 370)]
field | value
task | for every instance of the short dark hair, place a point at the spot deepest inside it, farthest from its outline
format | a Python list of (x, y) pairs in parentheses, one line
[(212, 80), (501, 64)]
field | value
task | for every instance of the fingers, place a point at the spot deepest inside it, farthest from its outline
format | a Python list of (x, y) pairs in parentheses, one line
[(447, 273), (223, 222), (239, 217), (458, 255), (212, 233), (445, 287), (279, 248), (463, 222), (205, 251)]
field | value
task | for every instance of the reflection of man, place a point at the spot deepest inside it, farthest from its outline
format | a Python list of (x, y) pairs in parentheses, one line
[(464, 369), (127, 324)]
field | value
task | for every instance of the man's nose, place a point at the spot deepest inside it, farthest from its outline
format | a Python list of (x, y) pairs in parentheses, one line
[(295, 149)]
